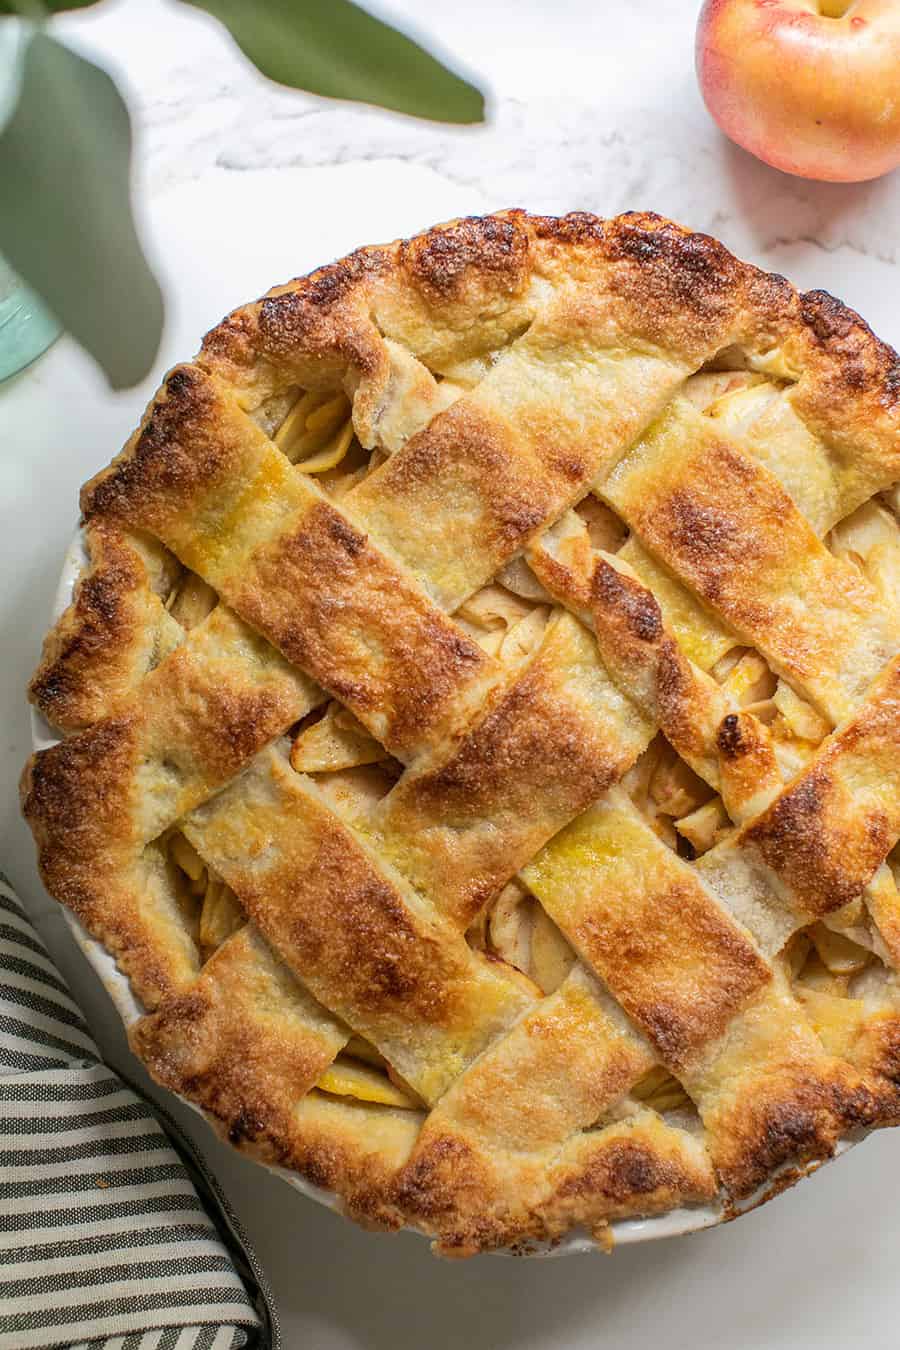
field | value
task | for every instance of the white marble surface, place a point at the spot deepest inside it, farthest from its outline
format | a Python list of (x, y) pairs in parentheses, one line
[(592, 109)]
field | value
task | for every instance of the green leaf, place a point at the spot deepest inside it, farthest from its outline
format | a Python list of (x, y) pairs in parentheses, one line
[(65, 213), (333, 47), (34, 8)]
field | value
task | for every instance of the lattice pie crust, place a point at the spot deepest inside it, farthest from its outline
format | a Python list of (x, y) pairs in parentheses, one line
[(481, 739)]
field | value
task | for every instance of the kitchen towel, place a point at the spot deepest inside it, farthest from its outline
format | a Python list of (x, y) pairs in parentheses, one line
[(113, 1235)]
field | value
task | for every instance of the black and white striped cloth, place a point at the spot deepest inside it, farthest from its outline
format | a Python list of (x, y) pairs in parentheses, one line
[(105, 1243)]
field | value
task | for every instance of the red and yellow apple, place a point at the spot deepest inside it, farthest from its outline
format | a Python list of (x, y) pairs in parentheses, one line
[(810, 86)]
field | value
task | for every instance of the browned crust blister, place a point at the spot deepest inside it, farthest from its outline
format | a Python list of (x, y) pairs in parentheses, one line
[(792, 1118), (114, 632), (76, 799), (247, 1044), (829, 831), (356, 598)]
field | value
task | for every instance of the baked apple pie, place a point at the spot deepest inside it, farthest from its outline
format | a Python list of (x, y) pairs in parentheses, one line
[(480, 729)]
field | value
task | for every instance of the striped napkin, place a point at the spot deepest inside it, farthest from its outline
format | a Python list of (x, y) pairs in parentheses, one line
[(106, 1239)]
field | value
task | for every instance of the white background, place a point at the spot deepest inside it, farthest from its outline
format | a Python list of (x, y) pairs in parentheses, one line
[(242, 185)]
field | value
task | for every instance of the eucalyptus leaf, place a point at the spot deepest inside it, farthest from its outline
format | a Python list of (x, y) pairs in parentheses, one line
[(65, 213), (34, 8), (333, 47)]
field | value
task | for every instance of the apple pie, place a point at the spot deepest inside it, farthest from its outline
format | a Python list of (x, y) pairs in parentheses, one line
[(480, 729)]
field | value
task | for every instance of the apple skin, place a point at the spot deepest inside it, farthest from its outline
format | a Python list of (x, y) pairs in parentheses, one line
[(809, 94)]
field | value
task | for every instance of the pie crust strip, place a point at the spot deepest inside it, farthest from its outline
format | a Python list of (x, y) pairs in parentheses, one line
[(739, 541)]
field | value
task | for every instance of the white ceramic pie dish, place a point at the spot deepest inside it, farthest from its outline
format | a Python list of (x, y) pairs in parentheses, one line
[(675, 1223)]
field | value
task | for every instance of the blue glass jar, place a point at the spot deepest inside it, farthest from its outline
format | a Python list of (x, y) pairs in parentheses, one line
[(27, 327)]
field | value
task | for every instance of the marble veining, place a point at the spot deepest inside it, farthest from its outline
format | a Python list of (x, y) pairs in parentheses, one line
[(601, 116)]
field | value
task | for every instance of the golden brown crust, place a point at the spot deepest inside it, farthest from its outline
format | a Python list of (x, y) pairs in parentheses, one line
[(547, 746), (488, 1168), (639, 916), (829, 831), (115, 631), (328, 600), (97, 802), (851, 395), (563, 343), (75, 798), (674, 288), (770, 1094), (185, 445), (794, 1117), (727, 526), (748, 770), (639, 1167), (246, 1040), (336, 607), (359, 938), (247, 1043), (639, 650), (471, 1201)]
